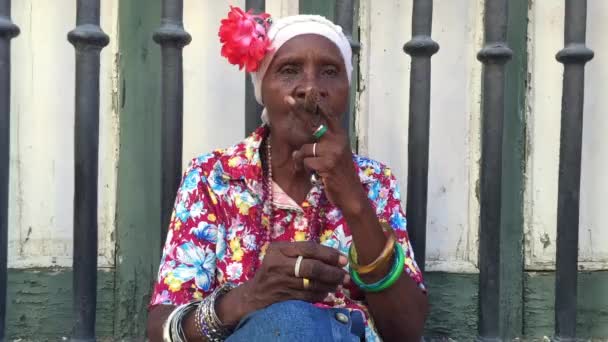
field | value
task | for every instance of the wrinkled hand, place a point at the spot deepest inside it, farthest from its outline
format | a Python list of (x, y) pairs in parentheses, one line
[(332, 159), (275, 280)]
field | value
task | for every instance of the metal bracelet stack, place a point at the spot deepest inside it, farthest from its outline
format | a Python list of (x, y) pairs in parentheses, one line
[(208, 323), (206, 320), (173, 330)]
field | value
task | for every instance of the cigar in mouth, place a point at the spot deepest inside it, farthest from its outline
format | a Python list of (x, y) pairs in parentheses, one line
[(311, 104), (311, 101)]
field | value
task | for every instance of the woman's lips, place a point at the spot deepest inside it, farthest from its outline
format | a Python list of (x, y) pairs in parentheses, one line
[(311, 105)]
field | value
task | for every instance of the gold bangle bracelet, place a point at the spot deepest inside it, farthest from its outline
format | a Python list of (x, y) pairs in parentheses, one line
[(384, 257)]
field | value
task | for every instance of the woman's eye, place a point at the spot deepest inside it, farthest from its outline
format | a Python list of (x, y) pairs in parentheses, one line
[(330, 71), (288, 70)]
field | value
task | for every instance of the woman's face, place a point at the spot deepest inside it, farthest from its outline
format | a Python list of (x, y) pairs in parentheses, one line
[(304, 65)]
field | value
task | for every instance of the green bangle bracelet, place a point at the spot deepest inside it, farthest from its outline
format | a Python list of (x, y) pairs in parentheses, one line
[(388, 280)]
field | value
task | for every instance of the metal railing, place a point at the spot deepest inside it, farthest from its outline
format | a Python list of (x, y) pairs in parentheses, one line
[(574, 55), (494, 54), (88, 40), (8, 30), (421, 47), (172, 38)]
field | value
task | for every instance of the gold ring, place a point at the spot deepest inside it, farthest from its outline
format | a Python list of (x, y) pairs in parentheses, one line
[(306, 283)]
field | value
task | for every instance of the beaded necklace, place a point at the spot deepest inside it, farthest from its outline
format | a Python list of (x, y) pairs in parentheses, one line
[(268, 206)]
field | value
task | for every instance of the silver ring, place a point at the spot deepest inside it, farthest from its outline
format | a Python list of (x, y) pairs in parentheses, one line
[(297, 267), (314, 150)]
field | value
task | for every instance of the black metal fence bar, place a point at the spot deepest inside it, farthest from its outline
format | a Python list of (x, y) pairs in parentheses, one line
[(493, 55), (8, 30), (88, 40), (344, 11), (252, 108), (172, 38), (574, 55), (421, 48)]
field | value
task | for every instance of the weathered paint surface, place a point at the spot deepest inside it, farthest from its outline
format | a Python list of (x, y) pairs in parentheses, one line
[(213, 120), (213, 89), (453, 301), (382, 117), (592, 309), (40, 304), (42, 140), (511, 270), (543, 122), (138, 198), (282, 8)]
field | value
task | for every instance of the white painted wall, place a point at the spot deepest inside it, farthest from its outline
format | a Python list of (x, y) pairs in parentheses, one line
[(544, 105), (214, 90), (42, 141), (41, 192), (454, 141)]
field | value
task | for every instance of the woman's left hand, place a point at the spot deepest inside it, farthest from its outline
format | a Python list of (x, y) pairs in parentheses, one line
[(332, 159)]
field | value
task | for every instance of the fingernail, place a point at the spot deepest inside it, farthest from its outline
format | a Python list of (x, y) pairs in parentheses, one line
[(343, 260), (289, 99), (346, 279)]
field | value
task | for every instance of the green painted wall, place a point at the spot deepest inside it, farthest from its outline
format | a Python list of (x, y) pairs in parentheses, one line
[(453, 302), (513, 159), (39, 304), (592, 308), (138, 202), (321, 7)]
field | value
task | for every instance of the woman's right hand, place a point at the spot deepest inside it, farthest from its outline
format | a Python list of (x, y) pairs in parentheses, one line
[(275, 280)]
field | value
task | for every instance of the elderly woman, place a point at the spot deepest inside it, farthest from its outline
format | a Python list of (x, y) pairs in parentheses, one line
[(287, 235)]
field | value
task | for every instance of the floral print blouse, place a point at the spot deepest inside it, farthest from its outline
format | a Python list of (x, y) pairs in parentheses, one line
[(218, 225)]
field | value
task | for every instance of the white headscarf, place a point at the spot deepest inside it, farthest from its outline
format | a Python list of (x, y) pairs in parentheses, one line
[(286, 28)]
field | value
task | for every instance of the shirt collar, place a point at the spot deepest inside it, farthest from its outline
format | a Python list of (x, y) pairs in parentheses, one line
[(242, 161)]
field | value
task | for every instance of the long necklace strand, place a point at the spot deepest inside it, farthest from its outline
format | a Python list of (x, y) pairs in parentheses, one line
[(269, 204)]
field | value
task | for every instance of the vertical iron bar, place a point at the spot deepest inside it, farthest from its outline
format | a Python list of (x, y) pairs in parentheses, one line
[(88, 40), (172, 38), (8, 30), (494, 55), (252, 108), (344, 13), (574, 55), (421, 48)]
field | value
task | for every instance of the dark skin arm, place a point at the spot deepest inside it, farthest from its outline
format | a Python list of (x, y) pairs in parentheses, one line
[(400, 311), (273, 282)]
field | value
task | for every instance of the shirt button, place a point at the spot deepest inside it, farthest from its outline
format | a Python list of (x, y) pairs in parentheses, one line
[(342, 318)]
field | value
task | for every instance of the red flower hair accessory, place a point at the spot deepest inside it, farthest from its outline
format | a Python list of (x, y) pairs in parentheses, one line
[(244, 38)]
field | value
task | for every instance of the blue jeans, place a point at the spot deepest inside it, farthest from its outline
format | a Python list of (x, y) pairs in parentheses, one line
[(294, 321)]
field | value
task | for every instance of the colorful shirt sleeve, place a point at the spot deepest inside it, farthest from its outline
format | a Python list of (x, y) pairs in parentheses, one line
[(188, 263), (384, 192)]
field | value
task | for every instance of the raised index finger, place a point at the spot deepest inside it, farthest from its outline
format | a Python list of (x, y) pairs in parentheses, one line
[(333, 121), (313, 250)]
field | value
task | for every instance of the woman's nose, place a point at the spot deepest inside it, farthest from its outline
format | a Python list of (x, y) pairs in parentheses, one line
[(303, 92)]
